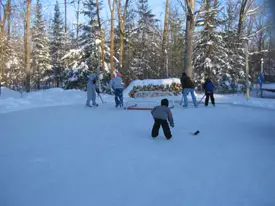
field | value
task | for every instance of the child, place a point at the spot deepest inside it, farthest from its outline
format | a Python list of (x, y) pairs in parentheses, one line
[(209, 92), (160, 115)]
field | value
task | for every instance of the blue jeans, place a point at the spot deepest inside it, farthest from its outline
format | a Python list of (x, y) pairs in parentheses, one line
[(185, 92), (119, 97)]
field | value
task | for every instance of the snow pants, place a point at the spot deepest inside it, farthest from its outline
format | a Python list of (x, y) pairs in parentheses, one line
[(91, 96), (211, 95), (165, 128)]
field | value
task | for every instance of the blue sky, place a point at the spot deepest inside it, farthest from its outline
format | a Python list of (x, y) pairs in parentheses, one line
[(157, 6)]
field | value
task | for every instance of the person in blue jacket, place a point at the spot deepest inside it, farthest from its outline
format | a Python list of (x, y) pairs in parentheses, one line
[(209, 92), (91, 90), (260, 79)]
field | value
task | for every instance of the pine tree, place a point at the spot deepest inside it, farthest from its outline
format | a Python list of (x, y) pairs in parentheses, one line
[(211, 51), (85, 59), (147, 45), (41, 66), (15, 65), (176, 48), (90, 33), (58, 46)]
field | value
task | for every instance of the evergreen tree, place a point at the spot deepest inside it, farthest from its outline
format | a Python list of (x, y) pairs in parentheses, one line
[(147, 45), (90, 33), (41, 62), (15, 65), (176, 48), (85, 59), (58, 46), (211, 52)]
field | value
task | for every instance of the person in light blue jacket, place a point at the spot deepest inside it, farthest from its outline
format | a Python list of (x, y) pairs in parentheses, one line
[(91, 90), (117, 85)]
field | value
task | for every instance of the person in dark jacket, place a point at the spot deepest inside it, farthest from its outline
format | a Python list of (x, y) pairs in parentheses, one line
[(209, 92), (161, 114), (188, 87)]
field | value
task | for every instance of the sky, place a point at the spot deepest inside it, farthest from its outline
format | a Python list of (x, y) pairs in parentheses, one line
[(157, 6)]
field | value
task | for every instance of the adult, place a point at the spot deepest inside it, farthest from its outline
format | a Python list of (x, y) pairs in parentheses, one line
[(117, 85), (91, 90), (188, 87)]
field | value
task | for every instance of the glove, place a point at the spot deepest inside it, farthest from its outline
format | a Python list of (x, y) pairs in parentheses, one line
[(172, 124)]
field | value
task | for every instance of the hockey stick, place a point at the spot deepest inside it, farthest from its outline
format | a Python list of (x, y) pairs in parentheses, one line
[(181, 101), (201, 99), (100, 98), (193, 133)]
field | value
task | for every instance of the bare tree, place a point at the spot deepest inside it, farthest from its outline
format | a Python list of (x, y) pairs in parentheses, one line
[(191, 19), (121, 23), (101, 38), (245, 6), (6, 14), (164, 41), (112, 48), (27, 45)]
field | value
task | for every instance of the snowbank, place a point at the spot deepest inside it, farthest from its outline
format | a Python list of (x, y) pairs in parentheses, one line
[(12, 101), (148, 82), (45, 98), (8, 93), (269, 86)]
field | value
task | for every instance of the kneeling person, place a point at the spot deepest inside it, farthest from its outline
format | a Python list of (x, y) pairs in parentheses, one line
[(161, 114)]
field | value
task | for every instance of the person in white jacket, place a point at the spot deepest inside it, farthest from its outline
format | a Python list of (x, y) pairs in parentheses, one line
[(117, 85), (91, 90)]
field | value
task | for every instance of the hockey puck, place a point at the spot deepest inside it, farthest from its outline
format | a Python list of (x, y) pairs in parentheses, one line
[(197, 132)]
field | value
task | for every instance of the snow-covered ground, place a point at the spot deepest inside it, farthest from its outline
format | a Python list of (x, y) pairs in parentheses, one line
[(70, 155)]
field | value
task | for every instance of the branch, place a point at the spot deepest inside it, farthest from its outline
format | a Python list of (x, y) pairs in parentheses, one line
[(125, 9), (182, 5), (190, 12), (248, 6), (199, 11)]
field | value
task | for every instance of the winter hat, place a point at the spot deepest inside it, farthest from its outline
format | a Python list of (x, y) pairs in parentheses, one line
[(119, 74), (164, 102)]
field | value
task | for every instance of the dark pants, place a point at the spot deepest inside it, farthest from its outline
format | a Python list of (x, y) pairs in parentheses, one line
[(165, 128), (119, 97), (210, 94)]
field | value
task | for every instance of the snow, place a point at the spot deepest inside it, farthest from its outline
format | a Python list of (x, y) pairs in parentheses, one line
[(269, 86), (12, 101), (8, 93), (71, 155)]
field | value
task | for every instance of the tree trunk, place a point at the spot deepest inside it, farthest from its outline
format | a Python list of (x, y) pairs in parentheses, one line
[(241, 18), (27, 45), (121, 19), (188, 52), (2, 40), (9, 18), (77, 22), (65, 2), (101, 38), (164, 42), (112, 36)]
